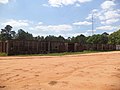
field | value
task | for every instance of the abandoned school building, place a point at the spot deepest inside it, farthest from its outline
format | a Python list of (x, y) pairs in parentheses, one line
[(15, 47)]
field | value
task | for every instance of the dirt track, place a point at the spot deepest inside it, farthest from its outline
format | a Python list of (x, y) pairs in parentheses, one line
[(100, 71)]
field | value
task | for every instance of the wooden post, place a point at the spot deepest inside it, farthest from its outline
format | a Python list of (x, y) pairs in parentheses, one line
[(7, 48), (49, 47), (75, 47)]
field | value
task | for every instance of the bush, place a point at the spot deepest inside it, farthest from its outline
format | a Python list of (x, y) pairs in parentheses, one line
[(3, 54)]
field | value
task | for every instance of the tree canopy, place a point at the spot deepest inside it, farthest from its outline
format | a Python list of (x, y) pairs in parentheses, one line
[(7, 33), (104, 38), (22, 35), (114, 38)]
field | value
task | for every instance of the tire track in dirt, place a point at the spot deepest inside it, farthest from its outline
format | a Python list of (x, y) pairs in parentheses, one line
[(69, 73)]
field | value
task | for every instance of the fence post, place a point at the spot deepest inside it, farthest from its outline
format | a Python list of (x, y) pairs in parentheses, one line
[(7, 47)]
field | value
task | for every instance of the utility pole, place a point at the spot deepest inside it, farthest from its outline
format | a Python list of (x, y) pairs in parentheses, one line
[(92, 24)]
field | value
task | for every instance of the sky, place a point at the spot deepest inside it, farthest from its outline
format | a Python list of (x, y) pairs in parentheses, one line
[(61, 17)]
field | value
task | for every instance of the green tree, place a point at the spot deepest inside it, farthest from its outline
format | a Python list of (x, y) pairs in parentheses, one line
[(40, 38), (114, 38), (22, 35), (54, 38), (73, 39), (80, 39), (61, 38), (68, 39), (7, 33), (104, 38), (98, 39), (51, 38)]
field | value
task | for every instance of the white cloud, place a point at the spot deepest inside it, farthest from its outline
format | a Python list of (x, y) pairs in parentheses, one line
[(106, 28), (110, 21), (67, 2), (16, 23), (111, 14), (75, 34), (69, 34), (58, 3), (4, 1), (55, 3), (95, 12), (107, 5), (37, 29), (40, 23), (107, 14), (45, 30), (54, 28), (84, 1), (77, 5), (109, 17), (85, 23), (89, 17), (45, 5), (91, 30)]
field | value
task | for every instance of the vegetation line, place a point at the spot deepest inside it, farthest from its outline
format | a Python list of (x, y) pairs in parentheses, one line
[(62, 54), (104, 38)]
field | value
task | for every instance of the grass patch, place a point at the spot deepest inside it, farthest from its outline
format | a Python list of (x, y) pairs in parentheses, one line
[(62, 54), (70, 53), (3, 54)]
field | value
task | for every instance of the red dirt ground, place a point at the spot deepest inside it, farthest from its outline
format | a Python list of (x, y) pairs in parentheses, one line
[(98, 71)]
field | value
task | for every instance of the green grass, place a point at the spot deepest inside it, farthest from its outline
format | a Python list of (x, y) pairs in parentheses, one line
[(57, 54), (70, 53), (61, 54), (3, 54)]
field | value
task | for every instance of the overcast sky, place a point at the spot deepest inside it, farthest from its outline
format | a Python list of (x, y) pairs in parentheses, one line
[(60, 17)]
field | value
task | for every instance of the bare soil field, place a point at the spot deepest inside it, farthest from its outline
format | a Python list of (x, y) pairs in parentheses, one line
[(97, 71)]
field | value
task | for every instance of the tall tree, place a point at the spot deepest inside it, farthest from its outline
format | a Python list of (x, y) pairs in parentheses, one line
[(7, 33), (22, 35)]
